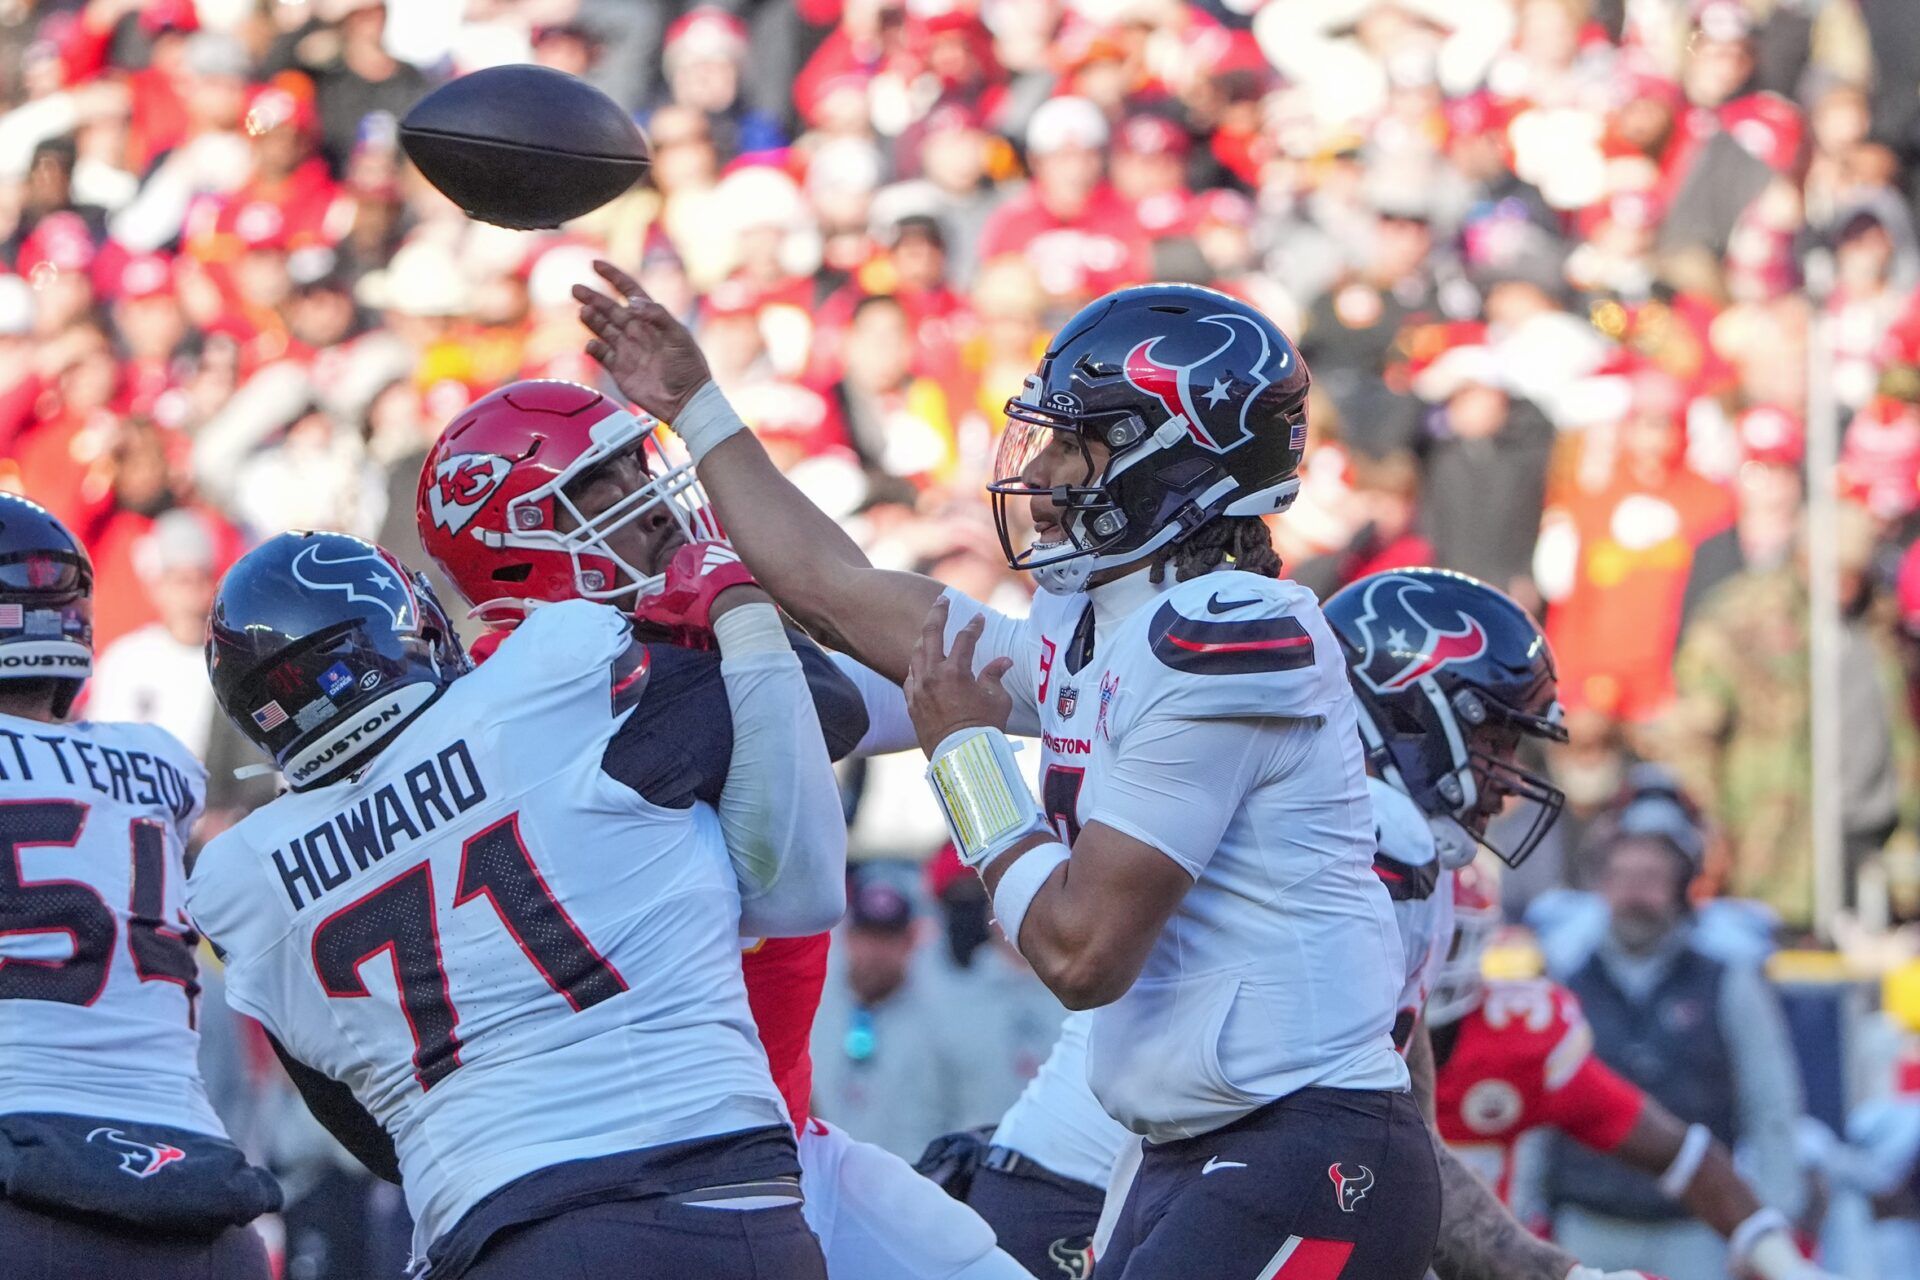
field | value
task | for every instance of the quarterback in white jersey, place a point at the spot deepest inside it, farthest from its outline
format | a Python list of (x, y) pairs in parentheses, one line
[(1044, 1177), (111, 1157), (504, 927), (1198, 866)]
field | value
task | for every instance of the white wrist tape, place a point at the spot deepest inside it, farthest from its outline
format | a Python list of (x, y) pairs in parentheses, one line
[(750, 628), (1686, 1161), (987, 804), (1020, 885), (1763, 1247), (706, 420)]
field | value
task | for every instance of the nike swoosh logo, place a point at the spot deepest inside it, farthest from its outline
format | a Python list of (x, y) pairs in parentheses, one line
[(1217, 1163), (1216, 605)]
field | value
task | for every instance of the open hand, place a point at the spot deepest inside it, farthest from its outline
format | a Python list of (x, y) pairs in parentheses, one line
[(651, 356), (943, 693)]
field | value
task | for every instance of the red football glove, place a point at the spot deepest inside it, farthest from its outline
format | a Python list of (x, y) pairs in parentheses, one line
[(694, 579)]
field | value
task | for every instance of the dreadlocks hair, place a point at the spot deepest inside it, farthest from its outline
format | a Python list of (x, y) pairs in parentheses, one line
[(1244, 540)]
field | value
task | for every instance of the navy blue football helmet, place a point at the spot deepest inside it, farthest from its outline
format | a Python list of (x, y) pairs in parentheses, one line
[(1201, 401), (321, 646), (1451, 676), (46, 601)]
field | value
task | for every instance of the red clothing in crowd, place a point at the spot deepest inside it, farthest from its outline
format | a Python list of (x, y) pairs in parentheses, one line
[(1404, 552), (1167, 213), (1103, 248), (112, 536), (294, 212), (941, 319), (1615, 632), (1766, 124)]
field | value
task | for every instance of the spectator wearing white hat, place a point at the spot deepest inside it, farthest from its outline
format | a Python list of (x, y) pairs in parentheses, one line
[(704, 56), (1081, 236), (158, 674), (1340, 49), (1486, 454)]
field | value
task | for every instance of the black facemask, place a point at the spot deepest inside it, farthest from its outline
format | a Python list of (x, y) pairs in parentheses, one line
[(967, 916)]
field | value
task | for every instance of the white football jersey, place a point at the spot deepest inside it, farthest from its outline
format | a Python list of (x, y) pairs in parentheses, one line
[(511, 958), (1057, 1122), (1422, 893), (97, 971), (1214, 721)]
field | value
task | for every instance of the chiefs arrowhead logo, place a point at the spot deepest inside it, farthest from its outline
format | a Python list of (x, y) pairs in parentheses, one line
[(1404, 645), (1215, 392), (1350, 1188), (461, 484), (139, 1159)]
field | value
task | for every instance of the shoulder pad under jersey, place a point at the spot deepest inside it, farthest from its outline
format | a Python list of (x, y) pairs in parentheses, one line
[(1403, 854), (559, 644), (1237, 644)]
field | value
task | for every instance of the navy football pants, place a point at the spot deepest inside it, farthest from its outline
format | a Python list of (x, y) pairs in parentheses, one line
[(44, 1246), (1045, 1222), (655, 1239), (1323, 1184)]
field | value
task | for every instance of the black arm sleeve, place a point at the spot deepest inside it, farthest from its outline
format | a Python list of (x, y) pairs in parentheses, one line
[(677, 745), (341, 1115)]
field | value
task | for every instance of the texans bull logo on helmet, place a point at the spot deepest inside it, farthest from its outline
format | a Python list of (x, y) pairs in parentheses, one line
[(1405, 645), (367, 578), (461, 485), (1349, 1188), (138, 1159), (1214, 391)]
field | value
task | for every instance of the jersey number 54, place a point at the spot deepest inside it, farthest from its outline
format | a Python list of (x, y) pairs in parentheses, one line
[(160, 953)]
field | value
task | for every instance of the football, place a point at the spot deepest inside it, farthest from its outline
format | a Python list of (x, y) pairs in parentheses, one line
[(524, 146)]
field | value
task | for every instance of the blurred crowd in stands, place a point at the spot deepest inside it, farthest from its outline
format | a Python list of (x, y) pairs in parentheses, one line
[(1563, 271)]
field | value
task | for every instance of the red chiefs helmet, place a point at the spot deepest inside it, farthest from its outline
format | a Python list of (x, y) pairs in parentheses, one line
[(494, 496), (1459, 983)]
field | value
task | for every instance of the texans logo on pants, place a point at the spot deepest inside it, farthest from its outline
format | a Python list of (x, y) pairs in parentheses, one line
[(1349, 1188)]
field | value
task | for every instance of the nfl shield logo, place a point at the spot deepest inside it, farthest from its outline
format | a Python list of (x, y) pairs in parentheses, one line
[(335, 680), (1069, 699)]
